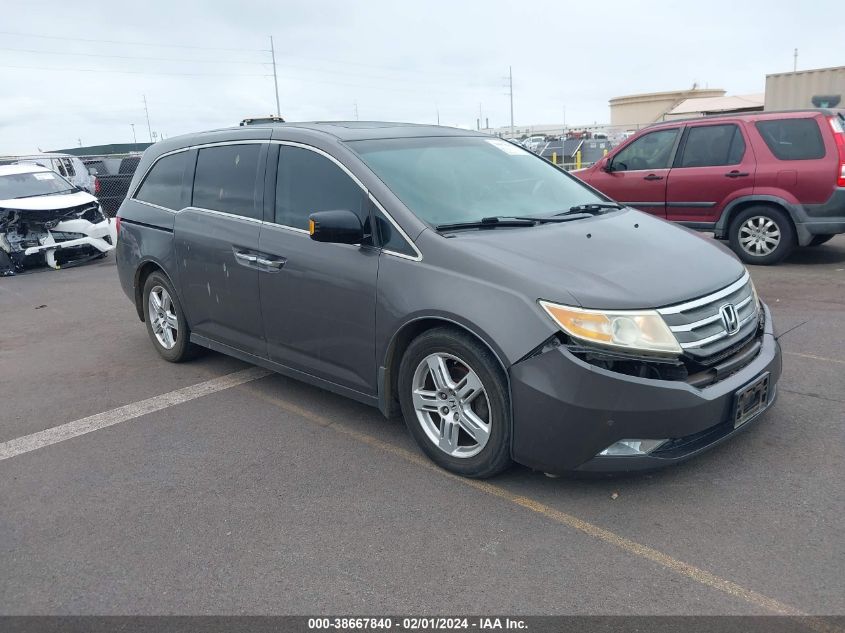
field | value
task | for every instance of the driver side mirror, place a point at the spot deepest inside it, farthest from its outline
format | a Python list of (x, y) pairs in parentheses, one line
[(338, 227), (607, 165)]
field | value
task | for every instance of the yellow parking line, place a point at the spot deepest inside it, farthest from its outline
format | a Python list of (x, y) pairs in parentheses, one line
[(828, 360), (679, 567)]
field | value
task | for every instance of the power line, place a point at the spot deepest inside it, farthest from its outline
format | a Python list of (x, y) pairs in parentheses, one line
[(131, 72), (98, 41), (143, 57)]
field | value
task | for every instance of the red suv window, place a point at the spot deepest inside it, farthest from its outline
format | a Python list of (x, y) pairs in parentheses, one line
[(710, 145), (792, 139)]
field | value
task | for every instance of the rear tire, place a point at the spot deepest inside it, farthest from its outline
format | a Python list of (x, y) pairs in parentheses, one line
[(818, 240), (461, 418), (165, 320), (762, 235)]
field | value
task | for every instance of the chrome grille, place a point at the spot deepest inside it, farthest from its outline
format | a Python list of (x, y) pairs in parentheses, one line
[(698, 324)]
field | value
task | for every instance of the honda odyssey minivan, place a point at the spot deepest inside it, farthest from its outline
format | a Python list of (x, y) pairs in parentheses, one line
[(506, 310)]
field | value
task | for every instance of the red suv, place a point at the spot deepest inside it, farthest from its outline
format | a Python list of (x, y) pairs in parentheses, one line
[(766, 182)]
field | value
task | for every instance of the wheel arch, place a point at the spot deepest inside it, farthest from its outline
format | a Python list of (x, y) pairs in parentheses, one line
[(144, 270), (740, 204), (389, 369)]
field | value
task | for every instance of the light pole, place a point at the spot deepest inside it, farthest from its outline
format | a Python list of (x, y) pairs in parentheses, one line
[(134, 138)]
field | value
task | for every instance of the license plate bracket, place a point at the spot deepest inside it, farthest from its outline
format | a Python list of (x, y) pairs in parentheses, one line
[(751, 400)]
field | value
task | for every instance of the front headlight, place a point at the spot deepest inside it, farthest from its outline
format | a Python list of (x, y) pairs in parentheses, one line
[(642, 330)]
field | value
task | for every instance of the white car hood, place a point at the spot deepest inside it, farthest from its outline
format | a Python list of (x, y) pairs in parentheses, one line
[(45, 203)]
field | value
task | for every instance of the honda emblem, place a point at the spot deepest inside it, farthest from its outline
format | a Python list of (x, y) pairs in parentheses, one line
[(730, 318)]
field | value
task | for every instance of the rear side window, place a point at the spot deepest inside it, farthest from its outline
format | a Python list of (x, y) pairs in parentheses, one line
[(307, 182), (225, 179), (711, 145), (69, 166), (792, 139), (163, 185)]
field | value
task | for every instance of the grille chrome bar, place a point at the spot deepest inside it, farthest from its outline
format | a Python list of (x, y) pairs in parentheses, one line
[(718, 335), (705, 321), (697, 303)]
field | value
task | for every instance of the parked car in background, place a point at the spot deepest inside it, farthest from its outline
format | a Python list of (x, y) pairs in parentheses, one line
[(44, 219), (508, 311), (534, 142), (766, 182), (69, 167), (113, 176)]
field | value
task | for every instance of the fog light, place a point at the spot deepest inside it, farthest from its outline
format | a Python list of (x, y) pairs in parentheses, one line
[(633, 447)]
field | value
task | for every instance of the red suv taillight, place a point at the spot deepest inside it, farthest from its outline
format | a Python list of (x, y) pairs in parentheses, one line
[(117, 225), (96, 186), (839, 137)]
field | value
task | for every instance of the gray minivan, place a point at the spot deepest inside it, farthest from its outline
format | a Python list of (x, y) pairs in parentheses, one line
[(508, 311)]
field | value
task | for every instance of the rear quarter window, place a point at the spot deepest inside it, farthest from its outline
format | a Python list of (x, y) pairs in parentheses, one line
[(792, 139), (225, 179), (163, 186)]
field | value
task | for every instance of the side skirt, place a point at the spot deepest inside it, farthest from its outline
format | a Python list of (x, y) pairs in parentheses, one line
[(373, 401)]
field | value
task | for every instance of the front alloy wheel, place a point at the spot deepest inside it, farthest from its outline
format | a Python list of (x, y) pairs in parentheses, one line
[(456, 402), (451, 405)]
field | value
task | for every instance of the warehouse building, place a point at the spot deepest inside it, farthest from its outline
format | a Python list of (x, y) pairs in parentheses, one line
[(817, 88)]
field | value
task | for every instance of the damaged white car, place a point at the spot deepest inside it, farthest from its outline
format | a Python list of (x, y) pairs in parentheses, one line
[(44, 219)]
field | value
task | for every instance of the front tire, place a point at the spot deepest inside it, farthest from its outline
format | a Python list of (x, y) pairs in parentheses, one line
[(165, 320), (455, 401), (762, 235)]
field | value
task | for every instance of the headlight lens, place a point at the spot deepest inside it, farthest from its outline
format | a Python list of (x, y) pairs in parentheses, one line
[(644, 331)]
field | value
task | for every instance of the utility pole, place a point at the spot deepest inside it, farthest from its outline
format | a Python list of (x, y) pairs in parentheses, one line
[(355, 109), (438, 114), (275, 78), (134, 138), (147, 112), (795, 60), (510, 90)]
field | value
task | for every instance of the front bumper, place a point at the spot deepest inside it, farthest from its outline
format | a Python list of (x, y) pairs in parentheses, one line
[(566, 411)]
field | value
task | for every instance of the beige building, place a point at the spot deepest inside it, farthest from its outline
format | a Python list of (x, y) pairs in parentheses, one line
[(635, 111), (821, 87)]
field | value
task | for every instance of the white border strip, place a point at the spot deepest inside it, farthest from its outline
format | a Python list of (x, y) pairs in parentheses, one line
[(27, 443)]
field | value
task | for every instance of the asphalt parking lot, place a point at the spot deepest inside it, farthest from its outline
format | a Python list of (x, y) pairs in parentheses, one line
[(273, 497)]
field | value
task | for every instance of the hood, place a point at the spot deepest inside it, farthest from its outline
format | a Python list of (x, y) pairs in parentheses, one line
[(48, 203), (621, 260)]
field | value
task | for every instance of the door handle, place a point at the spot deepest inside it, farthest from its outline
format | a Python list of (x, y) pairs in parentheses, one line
[(653, 177), (275, 264), (737, 174), (246, 258)]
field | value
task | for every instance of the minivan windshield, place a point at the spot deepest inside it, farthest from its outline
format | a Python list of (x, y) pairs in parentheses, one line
[(449, 180), (30, 184)]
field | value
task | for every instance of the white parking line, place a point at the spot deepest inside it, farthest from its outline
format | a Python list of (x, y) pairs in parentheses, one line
[(27, 443)]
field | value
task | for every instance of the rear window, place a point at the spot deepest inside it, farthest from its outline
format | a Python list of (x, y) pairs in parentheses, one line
[(225, 179), (163, 185), (792, 139)]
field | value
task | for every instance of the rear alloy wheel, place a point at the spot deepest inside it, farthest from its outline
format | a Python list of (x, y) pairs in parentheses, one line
[(455, 403), (165, 320), (762, 235)]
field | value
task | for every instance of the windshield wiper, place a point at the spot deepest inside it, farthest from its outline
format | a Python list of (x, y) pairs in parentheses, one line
[(488, 223), (511, 220), (592, 207), (48, 193)]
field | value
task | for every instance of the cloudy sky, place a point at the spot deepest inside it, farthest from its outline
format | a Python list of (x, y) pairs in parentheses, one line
[(73, 73)]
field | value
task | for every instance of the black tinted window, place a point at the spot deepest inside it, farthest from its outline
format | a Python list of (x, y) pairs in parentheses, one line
[(792, 139), (307, 182), (711, 145), (163, 185), (390, 237), (651, 151), (225, 179)]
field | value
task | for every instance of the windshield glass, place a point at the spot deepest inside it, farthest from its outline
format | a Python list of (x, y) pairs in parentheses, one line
[(37, 183), (446, 180)]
